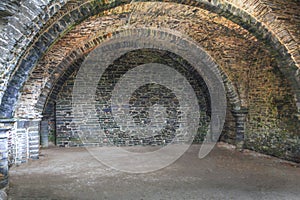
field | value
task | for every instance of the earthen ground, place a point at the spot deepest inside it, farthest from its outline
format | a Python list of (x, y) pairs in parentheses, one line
[(72, 173)]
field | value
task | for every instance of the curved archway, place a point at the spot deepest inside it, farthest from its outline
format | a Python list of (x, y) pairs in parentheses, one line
[(34, 29), (50, 92), (51, 30), (81, 11)]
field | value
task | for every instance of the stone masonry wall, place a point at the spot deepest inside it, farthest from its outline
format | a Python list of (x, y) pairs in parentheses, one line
[(261, 17), (250, 65), (268, 93), (141, 100)]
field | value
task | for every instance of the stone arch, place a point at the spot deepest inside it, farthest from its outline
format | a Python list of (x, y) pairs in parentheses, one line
[(241, 14), (30, 29), (109, 34), (73, 61), (76, 43), (46, 104), (234, 101), (80, 53)]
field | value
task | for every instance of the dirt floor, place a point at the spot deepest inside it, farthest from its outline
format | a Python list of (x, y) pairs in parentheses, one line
[(72, 173)]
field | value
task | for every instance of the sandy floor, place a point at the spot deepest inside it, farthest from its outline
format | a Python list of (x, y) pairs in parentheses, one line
[(72, 173)]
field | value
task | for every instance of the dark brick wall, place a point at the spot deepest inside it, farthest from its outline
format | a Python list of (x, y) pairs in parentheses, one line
[(252, 67), (141, 100), (46, 20), (252, 59)]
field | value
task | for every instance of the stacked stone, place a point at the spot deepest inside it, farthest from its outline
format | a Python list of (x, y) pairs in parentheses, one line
[(21, 142), (34, 24), (25, 19), (4, 157), (140, 101), (6, 146)]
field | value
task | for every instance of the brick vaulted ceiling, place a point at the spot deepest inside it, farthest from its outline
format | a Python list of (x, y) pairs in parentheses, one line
[(40, 23), (254, 42)]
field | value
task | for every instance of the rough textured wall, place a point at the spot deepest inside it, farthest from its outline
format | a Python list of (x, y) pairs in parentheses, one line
[(50, 19), (281, 17), (23, 21), (249, 64), (271, 118), (273, 125), (141, 101)]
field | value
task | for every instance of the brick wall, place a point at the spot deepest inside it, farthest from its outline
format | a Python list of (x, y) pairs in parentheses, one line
[(141, 100), (259, 52), (251, 65), (267, 20)]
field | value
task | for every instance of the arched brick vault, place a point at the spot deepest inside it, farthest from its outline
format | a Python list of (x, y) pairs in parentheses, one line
[(78, 45), (223, 43), (130, 59), (264, 25), (274, 22)]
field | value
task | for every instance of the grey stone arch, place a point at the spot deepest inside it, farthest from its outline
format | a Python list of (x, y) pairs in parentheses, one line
[(37, 31), (72, 62), (65, 15), (46, 104), (53, 28)]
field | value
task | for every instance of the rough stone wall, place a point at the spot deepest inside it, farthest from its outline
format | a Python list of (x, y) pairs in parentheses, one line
[(261, 17), (248, 63), (273, 126), (23, 141), (64, 135), (211, 31), (141, 100), (279, 18), (24, 21)]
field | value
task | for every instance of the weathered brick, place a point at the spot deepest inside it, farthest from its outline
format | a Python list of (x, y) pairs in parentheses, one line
[(251, 66)]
